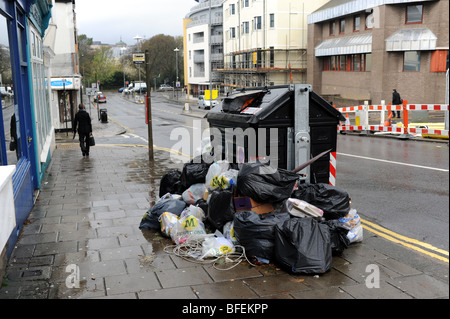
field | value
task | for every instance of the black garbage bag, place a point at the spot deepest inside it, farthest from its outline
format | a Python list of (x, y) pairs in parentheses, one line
[(303, 246), (338, 236), (151, 217), (257, 232), (334, 202), (265, 184), (193, 173), (220, 208), (170, 183)]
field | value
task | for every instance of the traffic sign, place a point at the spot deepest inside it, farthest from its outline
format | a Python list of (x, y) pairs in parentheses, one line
[(138, 58)]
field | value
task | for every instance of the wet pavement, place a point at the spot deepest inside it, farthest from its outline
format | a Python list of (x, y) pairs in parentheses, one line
[(87, 219)]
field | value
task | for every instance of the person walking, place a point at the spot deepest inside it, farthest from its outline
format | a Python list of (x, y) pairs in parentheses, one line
[(396, 100), (83, 123)]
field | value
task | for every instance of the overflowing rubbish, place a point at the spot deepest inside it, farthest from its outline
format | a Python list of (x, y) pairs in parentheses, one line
[(265, 184), (300, 208), (220, 208), (303, 245), (194, 193), (352, 222), (170, 183), (256, 232), (224, 214), (334, 202)]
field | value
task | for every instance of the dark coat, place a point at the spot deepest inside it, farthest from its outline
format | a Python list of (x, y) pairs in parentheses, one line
[(82, 122), (396, 99)]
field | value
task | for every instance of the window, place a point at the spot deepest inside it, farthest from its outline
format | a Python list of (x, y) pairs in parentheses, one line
[(245, 4), (232, 33), (439, 61), (332, 27), (272, 57), (232, 9), (342, 63), (272, 20), (414, 14), (356, 23), (342, 26), (411, 61), (348, 63), (257, 23), (245, 27)]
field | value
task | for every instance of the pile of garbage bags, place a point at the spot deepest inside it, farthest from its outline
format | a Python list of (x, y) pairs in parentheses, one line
[(264, 210)]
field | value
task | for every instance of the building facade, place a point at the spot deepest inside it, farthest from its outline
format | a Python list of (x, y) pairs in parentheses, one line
[(26, 117), (362, 50), (203, 46), (65, 82), (265, 41)]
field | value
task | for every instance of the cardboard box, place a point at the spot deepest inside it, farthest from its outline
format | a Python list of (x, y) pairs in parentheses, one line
[(248, 204)]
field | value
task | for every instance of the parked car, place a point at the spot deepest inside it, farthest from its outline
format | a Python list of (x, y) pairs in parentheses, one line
[(165, 87), (139, 90), (206, 104), (100, 98)]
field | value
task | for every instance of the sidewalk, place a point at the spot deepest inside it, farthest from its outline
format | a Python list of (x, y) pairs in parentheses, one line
[(87, 218)]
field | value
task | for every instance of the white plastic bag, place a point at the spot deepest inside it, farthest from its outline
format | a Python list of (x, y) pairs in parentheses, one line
[(216, 247), (228, 232), (227, 179), (193, 193), (214, 171), (168, 221), (187, 228), (194, 211), (352, 222)]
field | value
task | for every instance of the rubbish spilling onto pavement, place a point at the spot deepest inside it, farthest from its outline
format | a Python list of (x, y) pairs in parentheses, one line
[(224, 214)]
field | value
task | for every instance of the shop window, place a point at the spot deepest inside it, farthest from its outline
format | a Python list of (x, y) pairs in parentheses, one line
[(414, 14)]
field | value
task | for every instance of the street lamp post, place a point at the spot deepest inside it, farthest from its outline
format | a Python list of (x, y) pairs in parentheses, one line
[(122, 53), (176, 66)]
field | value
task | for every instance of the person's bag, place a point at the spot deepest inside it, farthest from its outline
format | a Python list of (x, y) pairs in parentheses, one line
[(13, 144), (91, 140)]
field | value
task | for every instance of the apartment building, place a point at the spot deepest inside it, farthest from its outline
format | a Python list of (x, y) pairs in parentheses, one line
[(203, 46), (361, 50), (65, 83), (265, 42)]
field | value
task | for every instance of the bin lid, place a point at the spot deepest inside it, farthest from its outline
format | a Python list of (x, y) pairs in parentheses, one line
[(254, 107)]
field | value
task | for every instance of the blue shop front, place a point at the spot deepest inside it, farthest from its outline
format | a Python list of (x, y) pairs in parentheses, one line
[(26, 132)]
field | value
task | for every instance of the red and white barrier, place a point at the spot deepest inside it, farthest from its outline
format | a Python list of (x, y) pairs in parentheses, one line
[(405, 129)]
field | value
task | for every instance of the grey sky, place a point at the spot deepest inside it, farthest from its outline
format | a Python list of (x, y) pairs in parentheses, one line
[(110, 20)]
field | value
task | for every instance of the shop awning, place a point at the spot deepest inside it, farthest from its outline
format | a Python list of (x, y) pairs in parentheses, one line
[(345, 45), (411, 40)]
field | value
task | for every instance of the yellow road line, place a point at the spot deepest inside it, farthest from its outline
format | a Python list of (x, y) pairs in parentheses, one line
[(413, 247), (121, 125), (404, 238)]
